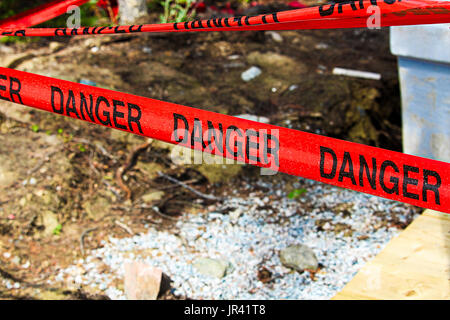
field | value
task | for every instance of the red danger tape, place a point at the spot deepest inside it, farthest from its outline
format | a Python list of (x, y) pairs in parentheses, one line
[(388, 174), (40, 14), (349, 14)]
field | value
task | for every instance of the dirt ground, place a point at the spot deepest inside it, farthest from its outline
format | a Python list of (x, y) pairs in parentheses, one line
[(66, 185)]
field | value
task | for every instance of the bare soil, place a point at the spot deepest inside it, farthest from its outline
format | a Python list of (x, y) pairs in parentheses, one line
[(58, 177)]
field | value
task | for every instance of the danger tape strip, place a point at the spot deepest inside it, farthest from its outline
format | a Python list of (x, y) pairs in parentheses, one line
[(350, 14), (388, 174), (40, 14)]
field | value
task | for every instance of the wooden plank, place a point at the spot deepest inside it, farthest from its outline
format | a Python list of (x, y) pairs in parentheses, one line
[(414, 265)]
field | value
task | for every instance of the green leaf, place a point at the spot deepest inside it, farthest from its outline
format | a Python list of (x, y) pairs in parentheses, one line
[(57, 230), (35, 128), (296, 193)]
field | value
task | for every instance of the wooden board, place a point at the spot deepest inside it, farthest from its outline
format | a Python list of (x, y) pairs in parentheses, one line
[(414, 265)]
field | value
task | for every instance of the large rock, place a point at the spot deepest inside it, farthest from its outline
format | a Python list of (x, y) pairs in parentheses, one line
[(97, 207), (299, 257), (131, 140), (279, 65), (7, 175), (14, 60), (150, 169), (15, 111), (211, 267), (215, 173), (153, 196), (142, 282), (50, 222)]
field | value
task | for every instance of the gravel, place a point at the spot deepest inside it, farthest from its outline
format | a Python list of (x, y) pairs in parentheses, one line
[(268, 222)]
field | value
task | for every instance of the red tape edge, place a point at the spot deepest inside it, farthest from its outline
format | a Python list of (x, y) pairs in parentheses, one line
[(351, 14), (388, 174)]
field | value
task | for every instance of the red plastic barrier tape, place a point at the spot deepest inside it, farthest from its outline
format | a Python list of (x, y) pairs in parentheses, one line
[(39, 14), (351, 14), (392, 175)]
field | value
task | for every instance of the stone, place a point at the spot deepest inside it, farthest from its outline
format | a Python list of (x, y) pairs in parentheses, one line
[(216, 173), (142, 281), (221, 49), (15, 112), (126, 137), (153, 196), (279, 65), (235, 214), (252, 117), (251, 73), (150, 169), (7, 176), (299, 257), (50, 222), (211, 267), (16, 260), (275, 36), (55, 46), (14, 60), (97, 207)]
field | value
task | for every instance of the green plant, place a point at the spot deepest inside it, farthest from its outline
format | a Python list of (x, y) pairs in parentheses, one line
[(35, 128), (296, 193), (174, 11), (57, 230), (11, 39)]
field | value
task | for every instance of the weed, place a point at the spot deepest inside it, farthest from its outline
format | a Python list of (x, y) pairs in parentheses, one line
[(174, 11), (296, 193), (57, 230), (35, 128)]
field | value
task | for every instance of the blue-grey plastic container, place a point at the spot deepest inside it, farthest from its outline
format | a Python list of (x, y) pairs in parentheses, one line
[(424, 70)]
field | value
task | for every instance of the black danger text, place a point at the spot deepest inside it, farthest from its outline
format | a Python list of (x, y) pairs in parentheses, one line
[(385, 175), (247, 145), (109, 112)]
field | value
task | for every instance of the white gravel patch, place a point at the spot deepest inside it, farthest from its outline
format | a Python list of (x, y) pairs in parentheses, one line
[(268, 222)]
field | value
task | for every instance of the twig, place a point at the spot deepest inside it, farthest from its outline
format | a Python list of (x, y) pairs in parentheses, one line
[(95, 145), (174, 186), (91, 164), (156, 209), (184, 185), (124, 227), (131, 161), (84, 234), (148, 220), (4, 201), (111, 188), (7, 275), (42, 161)]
